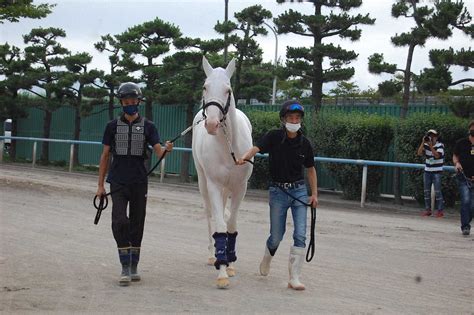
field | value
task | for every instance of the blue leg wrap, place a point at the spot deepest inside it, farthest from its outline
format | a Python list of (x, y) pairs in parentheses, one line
[(231, 238), (220, 243)]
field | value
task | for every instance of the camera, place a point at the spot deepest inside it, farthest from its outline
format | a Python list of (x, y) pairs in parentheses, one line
[(427, 138)]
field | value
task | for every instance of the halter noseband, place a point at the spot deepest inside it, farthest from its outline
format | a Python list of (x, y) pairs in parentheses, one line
[(224, 109)]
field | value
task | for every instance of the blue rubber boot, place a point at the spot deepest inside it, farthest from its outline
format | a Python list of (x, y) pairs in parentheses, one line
[(124, 255), (135, 258)]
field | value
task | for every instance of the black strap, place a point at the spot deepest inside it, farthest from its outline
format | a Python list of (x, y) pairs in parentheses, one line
[(224, 109), (312, 244)]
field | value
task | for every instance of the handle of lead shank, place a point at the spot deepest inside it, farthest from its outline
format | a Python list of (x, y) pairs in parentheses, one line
[(103, 203)]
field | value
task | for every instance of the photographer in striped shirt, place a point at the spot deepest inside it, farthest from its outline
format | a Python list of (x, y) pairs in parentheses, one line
[(433, 150)]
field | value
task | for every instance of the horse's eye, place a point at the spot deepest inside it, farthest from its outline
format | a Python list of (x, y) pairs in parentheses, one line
[(203, 88)]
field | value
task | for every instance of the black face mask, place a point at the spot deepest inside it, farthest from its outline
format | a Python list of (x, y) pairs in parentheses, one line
[(471, 133)]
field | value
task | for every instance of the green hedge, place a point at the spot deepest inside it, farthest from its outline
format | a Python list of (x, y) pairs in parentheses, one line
[(261, 123), (409, 134), (353, 136)]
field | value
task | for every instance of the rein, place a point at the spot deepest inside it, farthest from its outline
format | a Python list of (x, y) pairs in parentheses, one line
[(104, 201)]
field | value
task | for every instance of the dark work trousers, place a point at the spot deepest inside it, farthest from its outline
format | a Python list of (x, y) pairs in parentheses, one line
[(128, 231)]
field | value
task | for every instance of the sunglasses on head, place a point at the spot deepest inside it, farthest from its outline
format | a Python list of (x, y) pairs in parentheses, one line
[(295, 107)]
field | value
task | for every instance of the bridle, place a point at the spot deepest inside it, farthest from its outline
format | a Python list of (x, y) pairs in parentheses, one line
[(224, 109)]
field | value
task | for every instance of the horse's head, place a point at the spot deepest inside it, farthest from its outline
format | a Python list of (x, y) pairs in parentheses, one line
[(217, 97)]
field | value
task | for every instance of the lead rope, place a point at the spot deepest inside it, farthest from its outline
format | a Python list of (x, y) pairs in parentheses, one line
[(104, 201), (229, 145), (311, 246)]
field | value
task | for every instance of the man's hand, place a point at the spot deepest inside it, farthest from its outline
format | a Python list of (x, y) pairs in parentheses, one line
[(100, 191), (458, 167), (168, 146), (313, 201), (240, 161)]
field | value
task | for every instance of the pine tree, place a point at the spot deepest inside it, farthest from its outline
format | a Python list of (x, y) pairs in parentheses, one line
[(117, 74), (148, 42), (13, 66), (12, 11), (306, 63), (248, 53), (46, 56), (77, 87)]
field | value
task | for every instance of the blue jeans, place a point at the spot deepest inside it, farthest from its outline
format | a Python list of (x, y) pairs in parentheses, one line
[(467, 201), (435, 179), (279, 204)]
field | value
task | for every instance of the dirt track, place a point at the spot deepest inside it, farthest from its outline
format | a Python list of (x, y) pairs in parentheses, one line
[(52, 257)]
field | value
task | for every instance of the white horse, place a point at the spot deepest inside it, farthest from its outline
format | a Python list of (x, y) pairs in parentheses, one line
[(225, 131)]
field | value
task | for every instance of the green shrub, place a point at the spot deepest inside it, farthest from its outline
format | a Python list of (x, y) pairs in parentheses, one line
[(352, 136), (261, 123), (409, 135)]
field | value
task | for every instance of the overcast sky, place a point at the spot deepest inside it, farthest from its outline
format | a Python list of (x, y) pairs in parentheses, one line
[(86, 20)]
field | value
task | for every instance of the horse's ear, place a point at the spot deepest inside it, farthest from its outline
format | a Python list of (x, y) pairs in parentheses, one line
[(206, 66), (230, 68)]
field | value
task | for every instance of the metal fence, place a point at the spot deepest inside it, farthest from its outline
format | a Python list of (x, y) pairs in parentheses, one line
[(364, 163), (170, 121)]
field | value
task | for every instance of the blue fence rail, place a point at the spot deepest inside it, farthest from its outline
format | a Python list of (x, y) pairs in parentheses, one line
[(364, 163)]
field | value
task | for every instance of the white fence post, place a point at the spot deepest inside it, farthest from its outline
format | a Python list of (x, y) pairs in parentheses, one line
[(364, 186), (162, 170), (33, 163), (2, 145), (71, 157)]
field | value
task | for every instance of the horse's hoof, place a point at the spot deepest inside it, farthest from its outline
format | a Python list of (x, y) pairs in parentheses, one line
[(211, 261), (230, 271), (223, 283), (300, 287)]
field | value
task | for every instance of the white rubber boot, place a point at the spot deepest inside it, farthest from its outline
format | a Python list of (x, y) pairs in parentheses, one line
[(265, 264), (294, 266)]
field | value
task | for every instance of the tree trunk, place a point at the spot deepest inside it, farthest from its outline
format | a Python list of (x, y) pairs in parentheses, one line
[(236, 88), (186, 157), (77, 133), (403, 115), (406, 83), (48, 116), (111, 104), (149, 109)]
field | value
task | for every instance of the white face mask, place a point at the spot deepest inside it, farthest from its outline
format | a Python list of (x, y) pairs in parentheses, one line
[(292, 127)]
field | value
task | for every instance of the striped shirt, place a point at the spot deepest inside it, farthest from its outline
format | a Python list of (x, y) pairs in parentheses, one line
[(433, 164)]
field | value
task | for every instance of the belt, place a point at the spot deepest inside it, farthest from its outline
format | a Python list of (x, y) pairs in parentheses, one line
[(288, 185)]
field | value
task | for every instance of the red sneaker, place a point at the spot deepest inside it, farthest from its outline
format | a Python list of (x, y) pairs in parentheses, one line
[(440, 214), (426, 213)]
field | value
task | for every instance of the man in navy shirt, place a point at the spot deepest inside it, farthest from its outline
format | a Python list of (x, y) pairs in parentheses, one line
[(289, 152), (127, 139), (463, 160)]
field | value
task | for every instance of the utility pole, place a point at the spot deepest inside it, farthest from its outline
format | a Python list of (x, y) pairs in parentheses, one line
[(226, 18), (275, 61)]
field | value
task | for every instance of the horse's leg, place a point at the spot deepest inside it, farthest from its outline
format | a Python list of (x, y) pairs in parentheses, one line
[(207, 207), (236, 199), (220, 235)]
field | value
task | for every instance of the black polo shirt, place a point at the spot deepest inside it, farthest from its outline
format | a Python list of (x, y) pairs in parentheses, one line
[(286, 156), (465, 152), (128, 169)]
